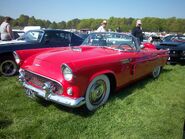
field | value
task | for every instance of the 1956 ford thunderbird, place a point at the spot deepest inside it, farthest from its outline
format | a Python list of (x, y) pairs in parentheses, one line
[(86, 75)]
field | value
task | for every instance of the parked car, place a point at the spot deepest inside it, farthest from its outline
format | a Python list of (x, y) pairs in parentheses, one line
[(87, 74), (33, 39), (176, 46), (17, 33), (82, 35)]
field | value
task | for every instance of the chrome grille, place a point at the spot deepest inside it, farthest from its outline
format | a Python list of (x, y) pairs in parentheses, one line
[(38, 81)]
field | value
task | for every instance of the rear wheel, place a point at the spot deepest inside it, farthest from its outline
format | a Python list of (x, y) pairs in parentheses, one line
[(8, 67), (156, 71), (97, 92)]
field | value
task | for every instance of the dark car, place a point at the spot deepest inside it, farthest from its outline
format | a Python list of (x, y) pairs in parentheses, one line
[(17, 33), (176, 46), (33, 39), (83, 35)]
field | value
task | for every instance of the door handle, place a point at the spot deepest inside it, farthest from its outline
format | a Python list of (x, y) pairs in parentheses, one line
[(126, 61)]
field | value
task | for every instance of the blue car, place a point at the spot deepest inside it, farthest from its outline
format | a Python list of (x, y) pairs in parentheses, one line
[(33, 39), (176, 46)]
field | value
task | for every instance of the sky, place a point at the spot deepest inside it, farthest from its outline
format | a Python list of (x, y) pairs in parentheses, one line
[(65, 10)]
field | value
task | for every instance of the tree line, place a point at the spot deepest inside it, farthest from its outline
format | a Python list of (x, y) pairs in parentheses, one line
[(150, 24)]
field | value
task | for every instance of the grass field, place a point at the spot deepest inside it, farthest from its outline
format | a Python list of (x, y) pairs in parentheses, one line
[(147, 109)]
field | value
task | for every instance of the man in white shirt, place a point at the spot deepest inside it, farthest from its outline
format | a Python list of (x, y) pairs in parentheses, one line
[(102, 27)]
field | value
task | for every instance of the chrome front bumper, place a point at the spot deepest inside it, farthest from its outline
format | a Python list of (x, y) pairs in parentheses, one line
[(56, 98), (47, 94)]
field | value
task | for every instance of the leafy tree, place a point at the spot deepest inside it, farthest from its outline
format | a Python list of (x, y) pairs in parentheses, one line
[(23, 20), (53, 25), (85, 23), (172, 24), (62, 25), (47, 23), (32, 21), (72, 24)]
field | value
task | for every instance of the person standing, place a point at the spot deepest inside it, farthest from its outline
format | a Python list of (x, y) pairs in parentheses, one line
[(102, 27), (138, 32), (6, 30)]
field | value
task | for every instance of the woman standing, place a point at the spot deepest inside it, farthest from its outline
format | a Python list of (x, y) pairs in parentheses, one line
[(6, 30)]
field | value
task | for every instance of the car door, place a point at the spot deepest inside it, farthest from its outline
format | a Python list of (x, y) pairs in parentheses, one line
[(143, 63), (56, 39)]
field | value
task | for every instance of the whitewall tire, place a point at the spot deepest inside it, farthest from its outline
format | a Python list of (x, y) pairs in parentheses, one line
[(156, 71), (97, 92)]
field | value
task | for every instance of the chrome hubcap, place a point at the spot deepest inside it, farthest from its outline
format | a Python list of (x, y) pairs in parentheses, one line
[(156, 71), (97, 92)]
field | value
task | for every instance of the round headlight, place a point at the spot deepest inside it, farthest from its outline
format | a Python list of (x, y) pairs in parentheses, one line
[(67, 72)]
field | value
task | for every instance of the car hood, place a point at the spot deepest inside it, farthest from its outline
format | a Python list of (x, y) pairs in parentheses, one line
[(167, 45), (179, 47), (79, 58), (75, 54)]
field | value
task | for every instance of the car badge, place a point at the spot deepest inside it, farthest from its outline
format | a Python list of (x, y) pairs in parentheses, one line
[(37, 65)]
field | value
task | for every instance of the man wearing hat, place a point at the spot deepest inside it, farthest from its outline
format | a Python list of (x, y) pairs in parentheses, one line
[(102, 27), (137, 31), (6, 30)]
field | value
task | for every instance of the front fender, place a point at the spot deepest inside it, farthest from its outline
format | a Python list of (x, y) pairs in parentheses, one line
[(100, 73)]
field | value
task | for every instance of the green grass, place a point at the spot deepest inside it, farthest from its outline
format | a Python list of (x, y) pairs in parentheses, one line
[(146, 109)]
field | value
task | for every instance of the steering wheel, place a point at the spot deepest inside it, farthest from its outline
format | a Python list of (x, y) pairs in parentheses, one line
[(125, 47)]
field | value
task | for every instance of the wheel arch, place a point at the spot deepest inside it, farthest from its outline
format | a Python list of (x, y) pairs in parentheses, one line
[(110, 74), (7, 55)]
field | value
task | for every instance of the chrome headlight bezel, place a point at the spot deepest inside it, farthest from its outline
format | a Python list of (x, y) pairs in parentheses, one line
[(67, 72), (16, 57)]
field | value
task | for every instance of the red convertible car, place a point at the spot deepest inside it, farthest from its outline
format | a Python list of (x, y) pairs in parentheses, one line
[(87, 74)]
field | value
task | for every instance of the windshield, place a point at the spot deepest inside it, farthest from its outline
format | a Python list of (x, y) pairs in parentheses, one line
[(109, 40), (32, 36)]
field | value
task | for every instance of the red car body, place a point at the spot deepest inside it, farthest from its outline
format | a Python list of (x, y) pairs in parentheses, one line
[(21, 55), (48, 74)]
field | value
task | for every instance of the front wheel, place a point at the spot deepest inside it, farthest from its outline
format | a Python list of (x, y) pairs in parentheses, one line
[(8, 67), (156, 71), (97, 92)]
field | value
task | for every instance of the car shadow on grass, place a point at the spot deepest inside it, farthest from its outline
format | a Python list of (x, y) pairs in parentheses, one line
[(82, 111), (43, 102), (121, 93), (139, 84), (5, 121)]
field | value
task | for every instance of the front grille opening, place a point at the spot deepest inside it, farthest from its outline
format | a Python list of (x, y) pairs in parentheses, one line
[(38, 82)]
